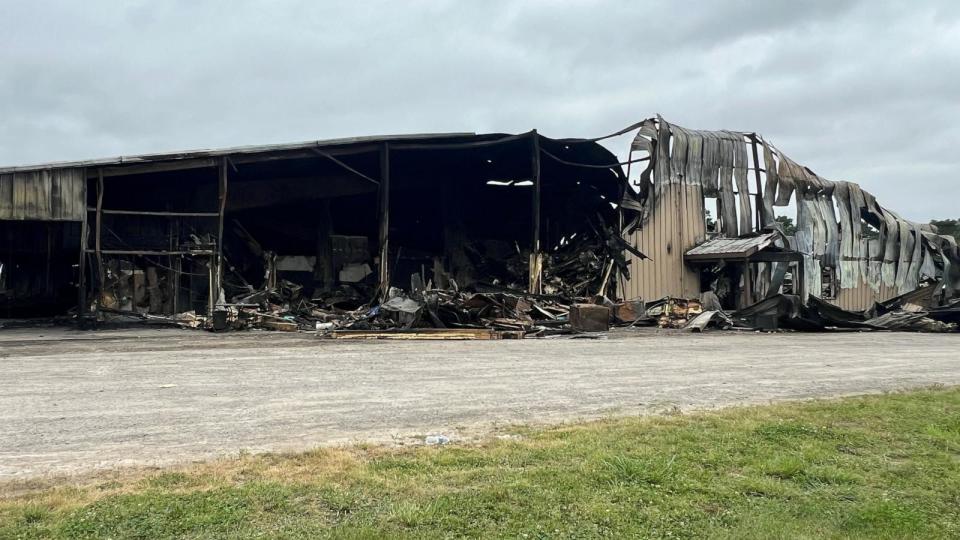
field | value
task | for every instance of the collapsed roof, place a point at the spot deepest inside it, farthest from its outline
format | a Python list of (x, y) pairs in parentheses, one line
[(469, 208)]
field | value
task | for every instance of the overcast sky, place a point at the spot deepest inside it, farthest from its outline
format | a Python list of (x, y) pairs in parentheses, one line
[(855, 90)]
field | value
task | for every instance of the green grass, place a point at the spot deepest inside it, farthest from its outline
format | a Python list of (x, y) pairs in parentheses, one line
[(884, 466)]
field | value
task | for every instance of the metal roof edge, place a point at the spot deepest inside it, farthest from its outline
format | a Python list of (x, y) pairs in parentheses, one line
[(246, 149)]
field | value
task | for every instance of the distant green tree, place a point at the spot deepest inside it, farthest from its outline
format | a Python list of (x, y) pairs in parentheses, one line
[(786, 222), (949, 227)]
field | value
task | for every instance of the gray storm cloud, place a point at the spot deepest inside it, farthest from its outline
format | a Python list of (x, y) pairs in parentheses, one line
[(862, 91)]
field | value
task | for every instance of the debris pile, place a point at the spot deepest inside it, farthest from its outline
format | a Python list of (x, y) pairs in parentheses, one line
[(131, 289), (583, 263), (449, 309), (911, 312), (510, 312), (674, 312), (477, 285), (711, 318)]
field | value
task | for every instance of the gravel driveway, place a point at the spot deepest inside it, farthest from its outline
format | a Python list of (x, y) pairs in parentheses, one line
[(73, 402)]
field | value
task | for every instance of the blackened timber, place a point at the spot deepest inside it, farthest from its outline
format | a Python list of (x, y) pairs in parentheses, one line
[(160, 166), (535, 266), (154, 252), (384, 219), (218, 271), (747, 282), (97, 241), (307, 153), (323, 271), (152, 213), (344, 165), (82, 269)]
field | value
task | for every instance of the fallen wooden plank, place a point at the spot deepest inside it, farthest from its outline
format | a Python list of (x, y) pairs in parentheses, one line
[(426, 334), (279, 325)]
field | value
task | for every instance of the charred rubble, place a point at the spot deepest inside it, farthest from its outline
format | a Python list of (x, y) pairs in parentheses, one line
[(575, 272)]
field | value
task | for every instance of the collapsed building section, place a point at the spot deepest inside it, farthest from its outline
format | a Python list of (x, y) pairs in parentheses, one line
[(445, 230), (518, 234), (707, 202)]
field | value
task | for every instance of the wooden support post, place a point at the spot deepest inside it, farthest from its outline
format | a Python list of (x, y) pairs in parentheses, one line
[(97, 240), (323, 271), (217, 269), (756, 173), (82, 269), (384, 220), (536, 265), (176, 265)]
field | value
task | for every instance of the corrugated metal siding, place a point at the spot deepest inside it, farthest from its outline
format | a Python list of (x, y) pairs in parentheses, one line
[(47, 195), (675, 226), (862, 296)]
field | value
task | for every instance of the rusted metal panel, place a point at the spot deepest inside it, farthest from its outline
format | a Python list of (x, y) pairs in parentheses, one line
[(44, 195)]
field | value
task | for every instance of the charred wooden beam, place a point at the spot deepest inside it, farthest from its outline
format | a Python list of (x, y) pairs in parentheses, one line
[(306, 153), (536, 265), (217, 270), (159, 166), (332, 158), (152, 213), (82, 269), (99, 251), (154, 252), (384, 219)]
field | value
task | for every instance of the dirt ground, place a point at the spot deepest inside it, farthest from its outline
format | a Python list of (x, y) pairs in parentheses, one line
[(74, 402)]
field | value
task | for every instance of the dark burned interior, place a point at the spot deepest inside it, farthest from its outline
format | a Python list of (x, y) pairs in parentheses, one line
[(325, 227), (38, 263)]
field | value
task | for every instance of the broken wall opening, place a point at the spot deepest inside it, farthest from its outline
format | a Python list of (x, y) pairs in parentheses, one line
[(309, 222), (38, 267), (152, 241), (464, 214), (473, 214)]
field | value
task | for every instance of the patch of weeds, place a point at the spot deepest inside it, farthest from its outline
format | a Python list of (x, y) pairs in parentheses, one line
[(780, 432), (885, 518), (652, 470), (34, 514), (784, 467), (829, 475), (172, 480)]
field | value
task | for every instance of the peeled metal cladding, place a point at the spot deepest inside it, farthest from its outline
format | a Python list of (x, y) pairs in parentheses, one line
[(832, 217)]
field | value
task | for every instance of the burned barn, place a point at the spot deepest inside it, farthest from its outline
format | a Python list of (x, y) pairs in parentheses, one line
[(299, 234), (707, 209), (469, 233)]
